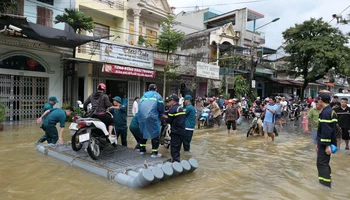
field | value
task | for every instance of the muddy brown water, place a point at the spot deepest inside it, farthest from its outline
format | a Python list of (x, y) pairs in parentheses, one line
[(229, 168)]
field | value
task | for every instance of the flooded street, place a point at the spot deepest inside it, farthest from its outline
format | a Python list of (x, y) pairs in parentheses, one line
[(229, 168)]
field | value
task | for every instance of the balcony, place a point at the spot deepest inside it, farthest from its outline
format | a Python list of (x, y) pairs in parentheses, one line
[(116, 4), (114, 8), (255, 37)]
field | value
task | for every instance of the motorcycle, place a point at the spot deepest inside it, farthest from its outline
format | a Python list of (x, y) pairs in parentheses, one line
[(207, 119), (164, 137), (294, 112), (91, 134), (256, 127)]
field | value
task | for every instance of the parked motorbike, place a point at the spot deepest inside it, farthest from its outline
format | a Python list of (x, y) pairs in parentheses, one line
[(256, 126), (207, 119), (294, 112), (91, 134), (245, 112)]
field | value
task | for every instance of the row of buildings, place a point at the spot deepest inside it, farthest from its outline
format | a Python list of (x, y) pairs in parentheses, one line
[(39, 58)]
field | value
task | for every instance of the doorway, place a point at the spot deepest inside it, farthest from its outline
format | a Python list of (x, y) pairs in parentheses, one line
[(24, 96), (81, 89), (116, 88)]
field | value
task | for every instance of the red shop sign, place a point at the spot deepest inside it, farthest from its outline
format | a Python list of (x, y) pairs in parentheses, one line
[(124, 70)]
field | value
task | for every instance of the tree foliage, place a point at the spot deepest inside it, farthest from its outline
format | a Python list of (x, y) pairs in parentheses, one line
[(314, 47), (76, 19), (240, 86), (233, 61), (7, 4), (168, 42)]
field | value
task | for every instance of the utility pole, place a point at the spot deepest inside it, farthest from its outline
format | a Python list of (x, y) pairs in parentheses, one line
[(254, 63)]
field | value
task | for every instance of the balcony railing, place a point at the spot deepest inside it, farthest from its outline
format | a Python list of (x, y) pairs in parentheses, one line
[(117, 4)]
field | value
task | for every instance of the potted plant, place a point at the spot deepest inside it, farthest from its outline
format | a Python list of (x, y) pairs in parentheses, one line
[(2, 115), (141, 41)]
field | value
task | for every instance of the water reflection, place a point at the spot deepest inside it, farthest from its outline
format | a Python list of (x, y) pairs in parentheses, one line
[(230, 168)]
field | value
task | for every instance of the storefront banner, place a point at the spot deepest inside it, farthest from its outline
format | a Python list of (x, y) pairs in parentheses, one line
[(124, 70), (127, 56), (206, 70)]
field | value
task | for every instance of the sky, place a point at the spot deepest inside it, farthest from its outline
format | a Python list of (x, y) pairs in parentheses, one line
[(290, 12)]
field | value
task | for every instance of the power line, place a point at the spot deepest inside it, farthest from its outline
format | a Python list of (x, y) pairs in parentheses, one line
[(340, 13), (224, 4), (30, 14), (193, 6)]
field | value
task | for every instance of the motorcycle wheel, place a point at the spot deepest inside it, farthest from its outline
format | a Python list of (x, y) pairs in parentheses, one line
[(204, 124), (76, 145), (249, 131), (93, 149)]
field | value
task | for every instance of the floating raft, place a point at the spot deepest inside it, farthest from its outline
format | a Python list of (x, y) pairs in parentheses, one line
[(121, 164)]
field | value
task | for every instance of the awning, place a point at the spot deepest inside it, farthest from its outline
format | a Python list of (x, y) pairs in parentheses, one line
[(266, 50), (264, 71), (284, 82), (49, 35)]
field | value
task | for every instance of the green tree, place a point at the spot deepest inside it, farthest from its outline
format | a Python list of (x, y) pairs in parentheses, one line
[(7, 4), (240, 86), (76, 19), (233, 61), (314, 47), (168, 42)]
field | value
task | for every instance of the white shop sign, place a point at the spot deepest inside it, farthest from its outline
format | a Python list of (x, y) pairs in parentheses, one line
[(127, 56), (206, 70)]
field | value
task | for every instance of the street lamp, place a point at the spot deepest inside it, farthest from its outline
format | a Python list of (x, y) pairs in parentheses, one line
[(254, 63), (274, 20)]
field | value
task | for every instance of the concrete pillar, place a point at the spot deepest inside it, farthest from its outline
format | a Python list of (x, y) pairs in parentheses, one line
[(136, 25), (88, 83)]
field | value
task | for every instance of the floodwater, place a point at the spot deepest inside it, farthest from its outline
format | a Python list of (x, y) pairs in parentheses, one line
[(229, 168)]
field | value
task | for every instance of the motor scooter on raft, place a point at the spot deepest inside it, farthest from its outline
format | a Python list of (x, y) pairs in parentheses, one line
[(91, 134)]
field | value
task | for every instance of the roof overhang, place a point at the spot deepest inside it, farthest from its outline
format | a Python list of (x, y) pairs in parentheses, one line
[(266, 50), (48, 35), (253, 15), (230, 17), (226, 17)]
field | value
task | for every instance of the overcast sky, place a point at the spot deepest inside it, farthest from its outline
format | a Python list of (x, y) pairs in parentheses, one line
[(290, 12)]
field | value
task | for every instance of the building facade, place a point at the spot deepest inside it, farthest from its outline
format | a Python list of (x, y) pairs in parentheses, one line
[(30, 70), (124, 57), (213, 37)]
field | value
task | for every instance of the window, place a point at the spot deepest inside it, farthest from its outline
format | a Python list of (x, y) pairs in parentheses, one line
[(100, 31), (151, 36), (131, 33), (50, 2), (19, 10), (44, 16)]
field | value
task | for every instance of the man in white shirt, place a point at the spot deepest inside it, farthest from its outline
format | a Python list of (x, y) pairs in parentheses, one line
[(284, 113), (135, 106), (181, 99), (313, 104)]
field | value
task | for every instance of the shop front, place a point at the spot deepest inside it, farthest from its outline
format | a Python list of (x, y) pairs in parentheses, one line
[(126, 71), (28, 77), (208, 79)]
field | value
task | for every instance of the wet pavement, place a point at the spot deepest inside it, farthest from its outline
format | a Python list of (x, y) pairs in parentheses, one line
[(230, 168)]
